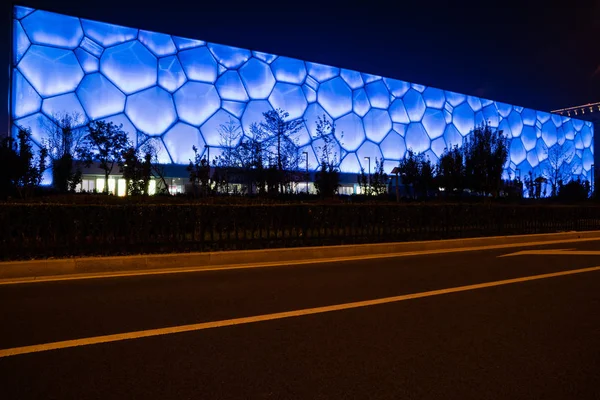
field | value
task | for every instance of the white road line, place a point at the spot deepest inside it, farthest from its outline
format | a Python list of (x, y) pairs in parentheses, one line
[(103, 275), (269, 317)]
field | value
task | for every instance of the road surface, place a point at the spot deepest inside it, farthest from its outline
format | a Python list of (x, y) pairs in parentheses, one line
[(309, 331)]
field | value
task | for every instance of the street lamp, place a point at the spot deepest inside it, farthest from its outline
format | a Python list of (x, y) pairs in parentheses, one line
[(307, 177), (369, 160), (207, 147)]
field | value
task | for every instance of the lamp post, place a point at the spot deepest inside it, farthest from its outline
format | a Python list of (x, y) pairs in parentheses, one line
[(369, 160), (207, 147), (307, 177)]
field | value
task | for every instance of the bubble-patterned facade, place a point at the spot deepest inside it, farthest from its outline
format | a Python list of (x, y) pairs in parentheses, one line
[(177, 92)]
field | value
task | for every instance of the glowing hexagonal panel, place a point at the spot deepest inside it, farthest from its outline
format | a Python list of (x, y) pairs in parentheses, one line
[(185, 43), (22, 12), (577, 123), (321, 72), (503, 109), (418, 88), (313, 163), (99, 97), (516, 124), (350, 164), (490, 114), (475, 103), (266, 57), (350, 131), (529, 137), (455, 99), (234, 107), (542, 150), (587, 159), (438, 146), (162, 154), (170, 73), (379, 97), (158, 43), (586, 136), (107, 34), (179, 141), (58, 106), (130, 66), (91, 47), (397, 88), (199, 64), (126, 126), (532, 158), (230, 87), (21, 42), (151, 111), (196, 102), (310, 93), (336, 97), (452, 136), (377, 124), (231, 57), (25, 99), (289, 70), (360, 101), (313, 112), (352, 78), (549, 133), (38, 124), (257, 78), (517, 151), (53, 29), (434, 98), (393, 146), (398, 112), (371, 150), (368, 78), (51, 71), (290, 98), (463, 118), (254, 114), (434, 123), (415, 106), (416, 138), (336, 150), (88, 62), (528, 117)]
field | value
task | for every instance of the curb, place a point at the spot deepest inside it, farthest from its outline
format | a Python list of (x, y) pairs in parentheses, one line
[(89, 265)]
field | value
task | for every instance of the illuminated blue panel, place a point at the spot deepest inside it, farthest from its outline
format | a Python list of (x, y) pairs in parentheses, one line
[(254, 113), (578, 142), (516, 124), (369, 149), (313, 112), (416, 138), (463, 118), (400, 128), (151, 111), (107, 34), (321, 72), (88, 62), (183, 43), (231, 57), (368, 78), (91, 47), (126, 126), (504, 127), (51, 71), (21, 42), (542, 151), (130, 66), (25, 99), (312, 83), (230, 87), (22, 12), (99, 97), (336, 150), (490, 114), (361, 103), (517, 151), (302, 137), (455, 99), (58, 106), (210, 130), (557, 119), (350, 164), (398, 112), (351, 127), (310, 93), (586, 136), (532, 158), (158, 43), (438, 146), (549, 133), (38, 124), (434, 123), (393, 146), (415, 106), (377, 124), (479, 119), (560, 136), (52, 29), (221, 69), (289, 70), (397, 88), (587, 159), (577, 123), (452, 136), (162, 154), (434, 98), (379, 97), (234, 107), (199, 64), (352, 78), (336, 97), (312, 159), (258, 78), (448, 115), (569, 130), (529, 137), (196, 102), (170, 73), (266, 57), (503, 109), (474, 102), (290, 98)]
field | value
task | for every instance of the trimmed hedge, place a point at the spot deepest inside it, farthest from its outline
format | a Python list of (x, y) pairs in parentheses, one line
[(54, 230)]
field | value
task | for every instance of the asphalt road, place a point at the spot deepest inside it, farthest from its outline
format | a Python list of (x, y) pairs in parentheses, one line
[(537, 339)]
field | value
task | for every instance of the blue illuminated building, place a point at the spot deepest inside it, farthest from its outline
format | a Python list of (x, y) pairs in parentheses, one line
[(176, 92)]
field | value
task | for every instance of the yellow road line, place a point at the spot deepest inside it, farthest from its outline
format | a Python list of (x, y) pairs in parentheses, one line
[(269, 317)]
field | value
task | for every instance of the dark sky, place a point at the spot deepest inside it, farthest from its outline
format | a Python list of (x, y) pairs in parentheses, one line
[(524, 52)]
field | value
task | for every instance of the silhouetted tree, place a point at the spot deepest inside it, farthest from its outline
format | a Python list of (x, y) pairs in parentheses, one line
[(451, 170), (559, 169), (199, 170), (327, 177), (379, 179), (485, 153)]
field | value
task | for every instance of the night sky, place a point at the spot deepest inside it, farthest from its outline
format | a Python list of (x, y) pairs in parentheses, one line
[(527, 53)]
